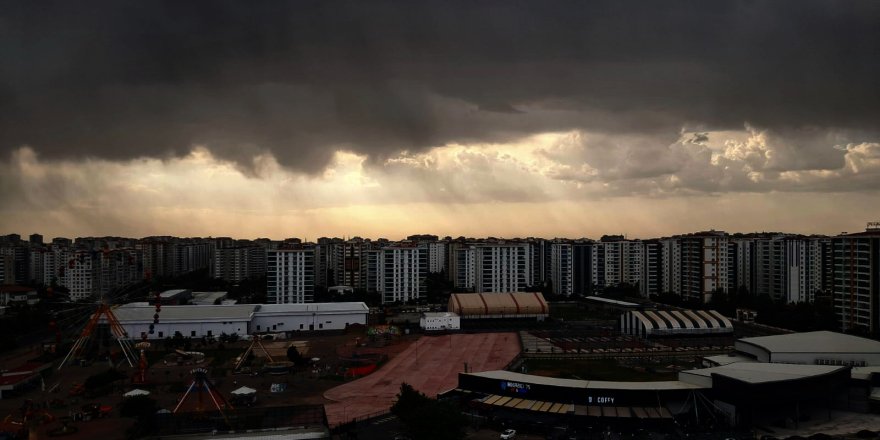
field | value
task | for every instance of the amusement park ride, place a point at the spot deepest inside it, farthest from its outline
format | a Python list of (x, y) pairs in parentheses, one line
[(203, 386), (256, 342), (104, 314), (272, 366), (101, 324)]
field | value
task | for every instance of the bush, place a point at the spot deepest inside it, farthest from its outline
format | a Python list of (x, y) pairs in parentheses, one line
[(294, 356)]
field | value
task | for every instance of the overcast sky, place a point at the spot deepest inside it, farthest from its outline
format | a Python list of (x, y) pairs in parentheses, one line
[(498, 118)]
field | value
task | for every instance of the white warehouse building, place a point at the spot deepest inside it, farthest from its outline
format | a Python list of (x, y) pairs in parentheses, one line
[(191, 321), (198, 321), (308, 317)]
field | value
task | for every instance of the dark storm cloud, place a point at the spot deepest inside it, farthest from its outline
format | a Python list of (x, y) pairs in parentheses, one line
[(303, 79)]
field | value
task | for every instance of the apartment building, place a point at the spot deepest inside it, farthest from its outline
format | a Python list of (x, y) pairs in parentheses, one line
[(502, 267), (403, 268), (617, 261), (856, 289), (237, 261), (562, 268), (290, 275)]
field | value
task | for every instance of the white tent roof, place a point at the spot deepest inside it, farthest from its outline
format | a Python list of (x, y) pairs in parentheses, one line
[(136, 392), (243, 391)]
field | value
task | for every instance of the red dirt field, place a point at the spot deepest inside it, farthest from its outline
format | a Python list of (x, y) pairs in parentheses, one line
[(431, 365)]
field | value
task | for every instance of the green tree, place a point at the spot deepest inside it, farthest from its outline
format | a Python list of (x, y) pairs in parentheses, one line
[(294, 356), (427, 418), (438, 287)]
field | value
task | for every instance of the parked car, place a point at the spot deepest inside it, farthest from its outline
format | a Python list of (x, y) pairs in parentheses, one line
[(508, 434)]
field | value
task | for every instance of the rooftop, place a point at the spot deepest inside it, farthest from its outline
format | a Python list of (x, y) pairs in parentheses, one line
[(173, 292), (759, 372), (135, 313), (864, 373), (313, 307), (814, 342), (207, 297), (439, 315), (611, 301), (726, 359), (586, 384)]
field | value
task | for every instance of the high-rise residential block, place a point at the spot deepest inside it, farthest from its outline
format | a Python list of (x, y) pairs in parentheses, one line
[(402, 271), (857, 280), (290, 275)]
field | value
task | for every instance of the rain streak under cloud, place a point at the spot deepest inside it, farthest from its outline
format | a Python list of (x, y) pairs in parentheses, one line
[(369, 118)]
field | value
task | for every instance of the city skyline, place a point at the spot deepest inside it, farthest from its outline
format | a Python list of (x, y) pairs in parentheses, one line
[(341, 119), (47, 238)]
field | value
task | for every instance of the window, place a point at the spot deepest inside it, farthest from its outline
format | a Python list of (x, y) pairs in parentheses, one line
[(192, 333), (258, 328), (210, 333), (274, 326), (300, 326), (321, 325), (160, 334)]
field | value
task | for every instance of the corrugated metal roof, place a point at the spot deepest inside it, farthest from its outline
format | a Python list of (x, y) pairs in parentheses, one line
[(498, 303), (340, 307), (439, 315), (696, 321), (236, 312), (611, 301)]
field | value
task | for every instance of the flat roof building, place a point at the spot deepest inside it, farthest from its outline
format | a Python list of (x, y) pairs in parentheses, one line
[(308, 317), (819, 347), (241, 319)]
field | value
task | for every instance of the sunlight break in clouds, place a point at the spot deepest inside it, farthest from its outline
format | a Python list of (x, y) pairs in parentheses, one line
[(553, 184)]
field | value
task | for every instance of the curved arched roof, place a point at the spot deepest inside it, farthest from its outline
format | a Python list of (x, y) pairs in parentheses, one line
[(686, 321), (502, 303)]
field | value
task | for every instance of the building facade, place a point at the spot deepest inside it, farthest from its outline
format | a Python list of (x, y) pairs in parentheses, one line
[(403, 269), (857, 280), (290, 275)]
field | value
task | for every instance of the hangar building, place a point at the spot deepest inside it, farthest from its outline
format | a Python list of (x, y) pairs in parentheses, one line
[(648, 323), (499, 305)]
